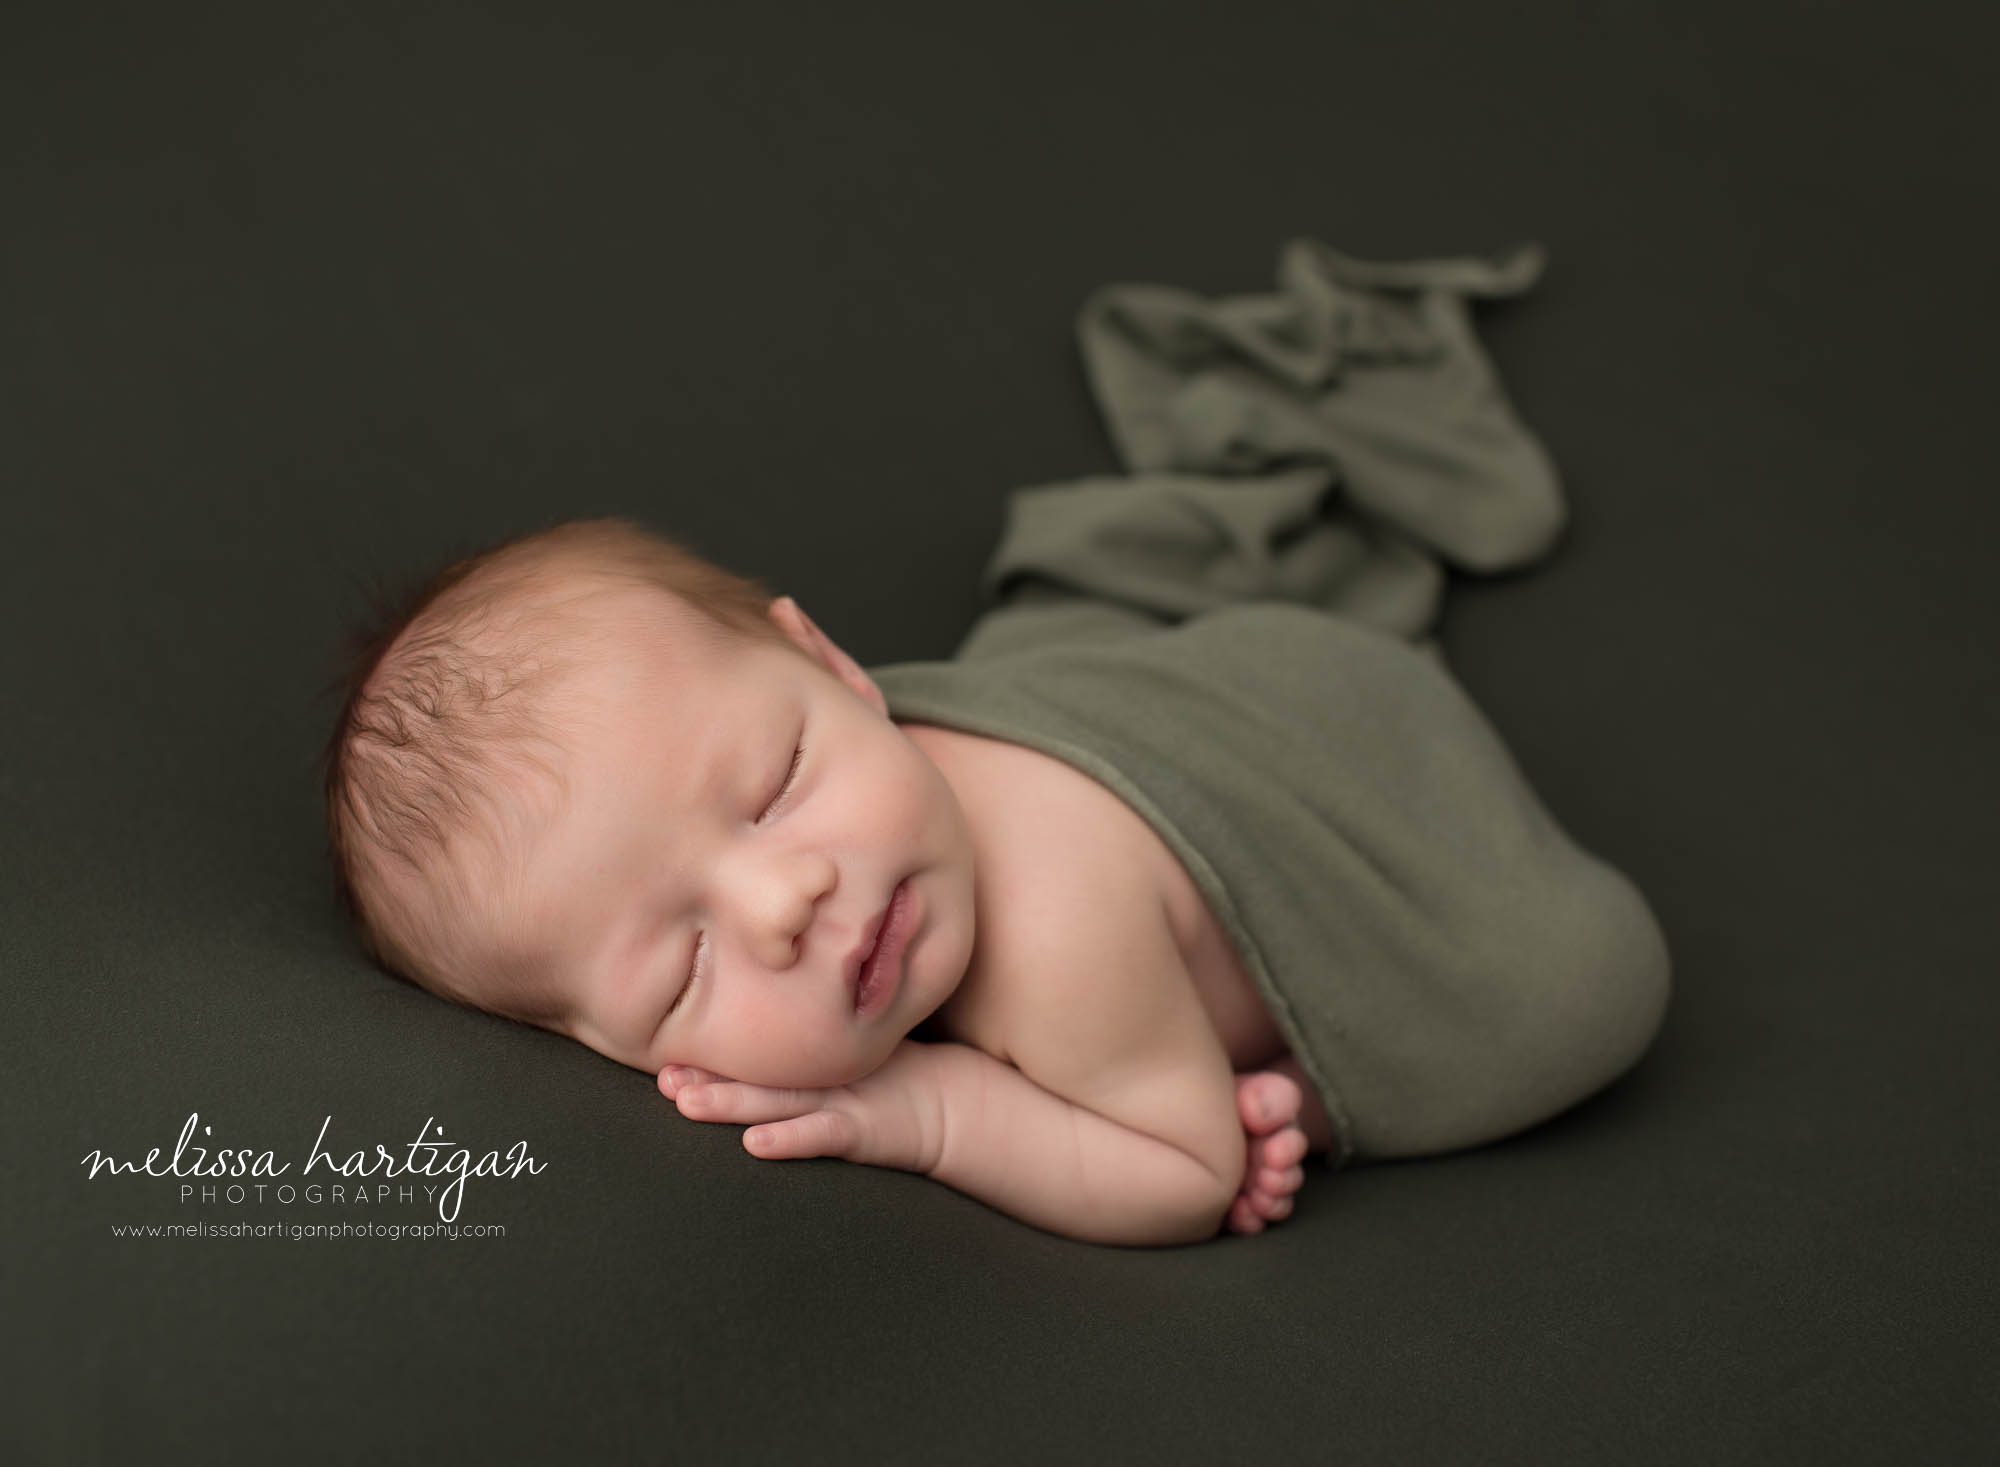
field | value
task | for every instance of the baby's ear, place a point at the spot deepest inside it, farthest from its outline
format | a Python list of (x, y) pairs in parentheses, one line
[(802, 629)]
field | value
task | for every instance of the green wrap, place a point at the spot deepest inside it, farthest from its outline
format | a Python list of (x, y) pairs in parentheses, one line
[(1234, 639)]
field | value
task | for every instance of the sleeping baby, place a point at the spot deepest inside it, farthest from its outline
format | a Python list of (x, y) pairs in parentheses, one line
[(593, 782), (598, 785)]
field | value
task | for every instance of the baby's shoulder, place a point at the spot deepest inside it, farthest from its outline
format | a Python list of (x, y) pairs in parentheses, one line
[(1078, 977)]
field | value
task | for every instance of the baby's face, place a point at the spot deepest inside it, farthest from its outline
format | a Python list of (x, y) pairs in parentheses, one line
[(675, 852)]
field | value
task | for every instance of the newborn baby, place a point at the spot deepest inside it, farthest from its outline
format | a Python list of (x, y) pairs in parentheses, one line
[(595, 783)]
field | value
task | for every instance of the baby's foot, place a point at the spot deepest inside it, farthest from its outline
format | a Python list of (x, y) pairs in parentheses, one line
[(1268, 1104)]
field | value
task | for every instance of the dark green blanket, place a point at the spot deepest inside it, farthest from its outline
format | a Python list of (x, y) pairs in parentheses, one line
[(1235, 640)]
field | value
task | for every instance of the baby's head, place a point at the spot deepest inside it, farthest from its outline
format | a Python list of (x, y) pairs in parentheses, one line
[(580, 764)]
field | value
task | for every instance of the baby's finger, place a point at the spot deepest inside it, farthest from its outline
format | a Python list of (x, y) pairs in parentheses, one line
[(676, 1077), (747, 1105), (822, 1133)]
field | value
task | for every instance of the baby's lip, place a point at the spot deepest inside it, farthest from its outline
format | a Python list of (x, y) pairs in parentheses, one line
[(867, 944)]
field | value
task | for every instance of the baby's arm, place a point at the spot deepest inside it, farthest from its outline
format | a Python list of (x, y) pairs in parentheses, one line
[(977, 1124), (1035, 1156)]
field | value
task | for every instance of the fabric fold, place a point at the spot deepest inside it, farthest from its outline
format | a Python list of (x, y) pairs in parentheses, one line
[(1371, 369)]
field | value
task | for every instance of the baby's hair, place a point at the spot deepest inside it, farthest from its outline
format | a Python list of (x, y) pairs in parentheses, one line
[(444, 693)]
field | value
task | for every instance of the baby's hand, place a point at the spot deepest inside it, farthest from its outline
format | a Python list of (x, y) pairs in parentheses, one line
[(889, 1118), (1268, 1104)]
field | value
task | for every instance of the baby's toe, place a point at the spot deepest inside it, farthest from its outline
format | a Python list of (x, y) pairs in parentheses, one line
[(1272, 1209), (1267, 1100), (1280, 1149), (1243, 1217), (1273, 1182)]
